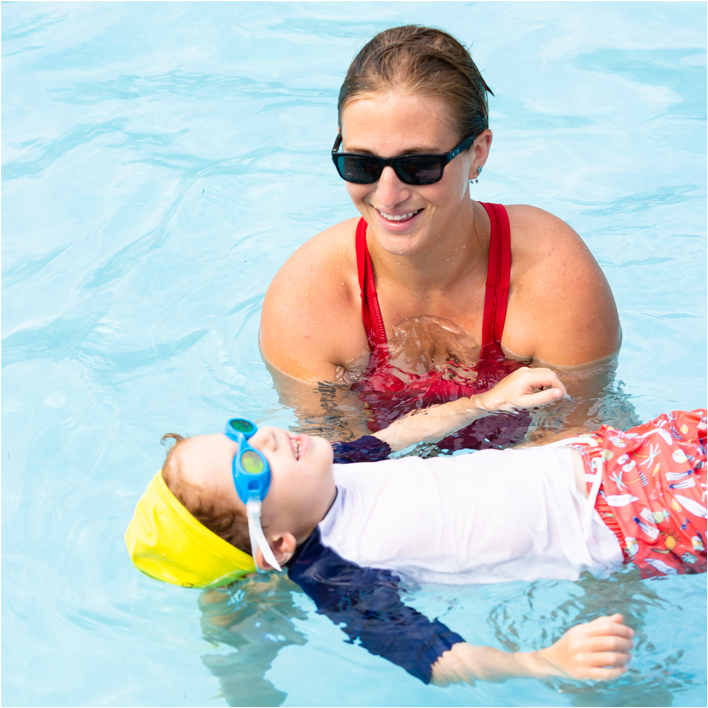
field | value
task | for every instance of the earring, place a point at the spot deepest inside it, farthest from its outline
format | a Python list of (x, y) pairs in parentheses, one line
[(475, 179)]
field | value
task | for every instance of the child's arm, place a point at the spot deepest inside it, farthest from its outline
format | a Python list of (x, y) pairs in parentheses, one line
[(366, 604), (525, 388), (598, 650)]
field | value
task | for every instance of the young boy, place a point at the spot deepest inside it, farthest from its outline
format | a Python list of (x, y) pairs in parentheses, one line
[(346, 533)]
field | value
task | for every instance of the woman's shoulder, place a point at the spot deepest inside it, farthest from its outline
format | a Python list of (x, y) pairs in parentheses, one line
[(335, 246), (559, 297), (541, 238), (539, 224)]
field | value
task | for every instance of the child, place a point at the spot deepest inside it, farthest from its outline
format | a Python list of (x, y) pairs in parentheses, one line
[(345, 534)]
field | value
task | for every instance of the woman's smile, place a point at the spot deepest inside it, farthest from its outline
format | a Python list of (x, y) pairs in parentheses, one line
[(399, 217), (395, 223)]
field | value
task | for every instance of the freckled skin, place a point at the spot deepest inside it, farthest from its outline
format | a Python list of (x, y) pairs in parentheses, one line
[(560, 309)]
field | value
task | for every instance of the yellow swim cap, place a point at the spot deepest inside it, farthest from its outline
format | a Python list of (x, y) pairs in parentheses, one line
[(167, 543)]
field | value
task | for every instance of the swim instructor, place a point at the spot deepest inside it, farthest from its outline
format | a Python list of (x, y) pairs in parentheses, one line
[(425, 257)]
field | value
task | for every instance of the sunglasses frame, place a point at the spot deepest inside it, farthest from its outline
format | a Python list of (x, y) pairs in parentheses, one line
[(395, 162)]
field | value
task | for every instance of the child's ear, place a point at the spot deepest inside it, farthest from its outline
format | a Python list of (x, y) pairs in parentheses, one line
[(283, 548)]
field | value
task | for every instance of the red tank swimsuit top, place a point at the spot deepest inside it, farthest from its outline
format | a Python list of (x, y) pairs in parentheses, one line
[(388, 396)]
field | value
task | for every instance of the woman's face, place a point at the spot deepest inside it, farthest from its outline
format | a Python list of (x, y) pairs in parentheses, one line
[(404, 218)]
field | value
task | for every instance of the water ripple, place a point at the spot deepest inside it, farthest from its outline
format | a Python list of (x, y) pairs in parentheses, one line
[(127, 362), (655, 67), (641, 201), (24, 269), (191, 85), (59, 339), (79, 135), (36, 24)]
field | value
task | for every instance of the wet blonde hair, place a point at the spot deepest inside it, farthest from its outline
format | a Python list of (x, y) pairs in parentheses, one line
[(425, 61)]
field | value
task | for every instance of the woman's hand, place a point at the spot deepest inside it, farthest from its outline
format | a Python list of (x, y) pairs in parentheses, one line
[(598, 650), (525, 388)]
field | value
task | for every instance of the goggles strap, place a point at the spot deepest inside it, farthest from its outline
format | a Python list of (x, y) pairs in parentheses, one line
[(258, 539)]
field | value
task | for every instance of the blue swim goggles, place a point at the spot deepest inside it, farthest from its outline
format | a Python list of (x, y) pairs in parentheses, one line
[(251, 473)]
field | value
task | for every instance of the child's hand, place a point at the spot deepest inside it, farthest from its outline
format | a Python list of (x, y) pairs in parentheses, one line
[(518, 390), (522, 389), (598, 650)]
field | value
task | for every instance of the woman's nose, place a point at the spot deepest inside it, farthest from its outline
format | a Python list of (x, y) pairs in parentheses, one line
[(390, 190)]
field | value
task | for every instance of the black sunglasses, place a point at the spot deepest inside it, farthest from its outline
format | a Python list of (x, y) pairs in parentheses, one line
[(411, 169)]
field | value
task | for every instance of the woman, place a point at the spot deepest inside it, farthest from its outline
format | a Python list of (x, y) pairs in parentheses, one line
[(396, 302)]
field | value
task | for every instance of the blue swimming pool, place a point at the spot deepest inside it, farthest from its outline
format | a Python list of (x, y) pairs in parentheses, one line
[(160, 161)]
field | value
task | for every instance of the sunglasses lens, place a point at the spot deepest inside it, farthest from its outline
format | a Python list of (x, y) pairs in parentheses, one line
[(251, 462), (423, 170), (361, 170), (358, 169), (242, 426)]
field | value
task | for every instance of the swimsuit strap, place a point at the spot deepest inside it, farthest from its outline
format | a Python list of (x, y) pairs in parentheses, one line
[(497, 291), (495, 298), (370, 310)]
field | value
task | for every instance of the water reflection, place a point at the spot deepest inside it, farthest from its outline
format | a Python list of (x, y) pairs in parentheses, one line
[(423, 344), (435, 348), (255, 618), (596, 398), (654, 677)]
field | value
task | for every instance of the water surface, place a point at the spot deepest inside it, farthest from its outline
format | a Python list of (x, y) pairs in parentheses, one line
[(160, 161)]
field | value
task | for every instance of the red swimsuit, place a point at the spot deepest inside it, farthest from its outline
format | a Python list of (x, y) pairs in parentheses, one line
[(388, 397)]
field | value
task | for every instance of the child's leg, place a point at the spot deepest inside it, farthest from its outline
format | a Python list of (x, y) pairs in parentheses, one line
[(654, 490)]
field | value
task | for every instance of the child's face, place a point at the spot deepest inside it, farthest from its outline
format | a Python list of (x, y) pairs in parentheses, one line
[(301, 486)]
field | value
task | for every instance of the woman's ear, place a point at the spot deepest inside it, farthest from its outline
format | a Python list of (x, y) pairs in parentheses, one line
[(482, 144), (283, 548)]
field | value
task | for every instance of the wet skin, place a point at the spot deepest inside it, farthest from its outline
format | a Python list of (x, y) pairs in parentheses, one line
[(432, 263)]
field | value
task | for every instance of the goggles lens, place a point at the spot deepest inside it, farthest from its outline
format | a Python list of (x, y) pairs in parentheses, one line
[(243, 426), (251, 462)]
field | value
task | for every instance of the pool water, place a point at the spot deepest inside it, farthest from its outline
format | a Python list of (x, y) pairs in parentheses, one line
[(160, 161)]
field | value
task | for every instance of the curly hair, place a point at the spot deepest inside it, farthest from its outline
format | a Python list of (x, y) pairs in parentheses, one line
[(228, 523), (421, 60)]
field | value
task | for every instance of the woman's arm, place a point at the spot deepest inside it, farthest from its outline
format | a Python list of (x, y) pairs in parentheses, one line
[(561, 309), (311, 324), (597, 650), (525, 388), (562, 314)]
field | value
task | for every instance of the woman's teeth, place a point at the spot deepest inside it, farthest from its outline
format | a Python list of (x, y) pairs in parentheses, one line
[(399, 217), (296, 445)]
